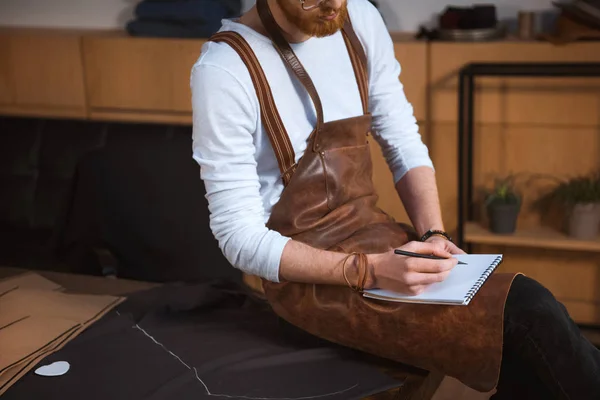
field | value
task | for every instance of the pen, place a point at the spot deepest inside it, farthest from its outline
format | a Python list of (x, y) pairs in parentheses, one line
[(419, 255)]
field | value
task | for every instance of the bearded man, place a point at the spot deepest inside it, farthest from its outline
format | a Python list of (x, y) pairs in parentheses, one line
[(285, 99)]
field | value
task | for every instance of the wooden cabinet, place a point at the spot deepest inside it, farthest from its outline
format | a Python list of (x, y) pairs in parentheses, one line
[(522, 125), (140, 78), (541, 101), (535, 127), (6, 93), (108, 75), (41, 73), (412, 56)]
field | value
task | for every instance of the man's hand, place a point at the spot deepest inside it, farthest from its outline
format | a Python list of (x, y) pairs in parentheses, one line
[(410, 275), (445, 245)]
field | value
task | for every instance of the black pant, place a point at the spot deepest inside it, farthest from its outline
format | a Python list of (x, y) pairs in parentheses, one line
[(545, 355)]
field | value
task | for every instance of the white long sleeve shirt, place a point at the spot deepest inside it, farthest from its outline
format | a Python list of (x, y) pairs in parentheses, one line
[(237, 163)]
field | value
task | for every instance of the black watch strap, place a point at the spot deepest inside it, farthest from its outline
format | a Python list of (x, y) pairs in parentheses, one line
[(434, 232)]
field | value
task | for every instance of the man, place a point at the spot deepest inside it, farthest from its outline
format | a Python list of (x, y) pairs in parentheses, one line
[(283, 100)]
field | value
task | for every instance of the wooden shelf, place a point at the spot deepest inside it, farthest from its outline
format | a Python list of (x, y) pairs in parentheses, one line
[(538, 238), (593, 335), (43, 111), (141, 116)]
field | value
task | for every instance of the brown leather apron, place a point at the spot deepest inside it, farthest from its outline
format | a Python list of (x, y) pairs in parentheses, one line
[(329, 202)]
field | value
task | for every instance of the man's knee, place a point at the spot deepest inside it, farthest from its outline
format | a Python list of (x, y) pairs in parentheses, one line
[(529, 302)]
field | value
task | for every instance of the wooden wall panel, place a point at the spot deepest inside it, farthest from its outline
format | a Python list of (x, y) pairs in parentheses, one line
[(572, 277), (586, 313), (389, 200), (572, 101), (529, 126), (442, 148), (140, 74), (532, 151), (145, 74), (135, 116), (412, 56), (44, 72), (539, 154), (6, 91), (59, 83), (551, 268)]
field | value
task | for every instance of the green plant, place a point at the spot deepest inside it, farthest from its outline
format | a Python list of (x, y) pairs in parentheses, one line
[(504, 192), (582, 189)]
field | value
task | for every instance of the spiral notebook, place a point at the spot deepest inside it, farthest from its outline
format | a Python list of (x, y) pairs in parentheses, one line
[(459, 288)]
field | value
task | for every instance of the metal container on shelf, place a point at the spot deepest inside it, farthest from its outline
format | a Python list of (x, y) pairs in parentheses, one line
[(473, 35)]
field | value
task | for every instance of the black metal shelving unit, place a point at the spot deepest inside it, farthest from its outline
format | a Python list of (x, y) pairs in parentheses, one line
[(466, 88)]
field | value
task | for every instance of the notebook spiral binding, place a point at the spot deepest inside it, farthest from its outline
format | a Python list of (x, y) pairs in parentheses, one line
[(486, 274)]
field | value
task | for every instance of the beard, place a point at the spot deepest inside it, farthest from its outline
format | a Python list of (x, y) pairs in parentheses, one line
[(311, 22)]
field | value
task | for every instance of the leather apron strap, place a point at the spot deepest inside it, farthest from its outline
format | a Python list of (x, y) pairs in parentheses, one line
[(358, 58), (271, 119), (288, 55), (272, 122), (355, 50)]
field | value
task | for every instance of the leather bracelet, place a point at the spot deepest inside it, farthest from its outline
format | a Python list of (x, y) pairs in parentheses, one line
[(435, 232), (362, 266)]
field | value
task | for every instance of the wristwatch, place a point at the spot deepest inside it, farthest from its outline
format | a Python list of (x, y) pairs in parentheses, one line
[(435, 232)]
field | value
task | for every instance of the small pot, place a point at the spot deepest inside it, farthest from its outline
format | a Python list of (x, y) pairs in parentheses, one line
[(503, 218), (584, 221)]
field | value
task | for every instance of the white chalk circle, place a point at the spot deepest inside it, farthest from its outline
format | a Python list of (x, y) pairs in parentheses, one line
[(57, 368)]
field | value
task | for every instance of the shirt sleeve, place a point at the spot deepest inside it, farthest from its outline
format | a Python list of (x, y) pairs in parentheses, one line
[(394, 126), (224, 120)]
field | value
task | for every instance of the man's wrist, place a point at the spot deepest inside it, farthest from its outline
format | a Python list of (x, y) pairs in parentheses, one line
[(423, 228), (435, 233), (371, 281)]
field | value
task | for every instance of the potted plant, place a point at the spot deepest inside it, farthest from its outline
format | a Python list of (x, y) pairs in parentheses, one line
[(503, 205), (580, 198)]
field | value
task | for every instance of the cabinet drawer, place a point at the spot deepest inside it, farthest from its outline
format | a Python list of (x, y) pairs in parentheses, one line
[(46, 70), (41, 69), (140, 74)]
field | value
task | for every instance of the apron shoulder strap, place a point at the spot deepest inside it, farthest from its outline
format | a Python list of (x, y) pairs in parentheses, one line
[(355, 49), (278, 136), (359, 61), (289, 57), (356, 45)]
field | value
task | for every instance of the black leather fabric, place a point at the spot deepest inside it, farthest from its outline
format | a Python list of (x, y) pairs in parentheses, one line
[(37, 162), (70, 188), (19, 154), (202, 341), (146, 204)]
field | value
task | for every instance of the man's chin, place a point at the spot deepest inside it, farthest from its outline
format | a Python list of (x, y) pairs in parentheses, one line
[(315, 23), (325, 28), (322, 33)]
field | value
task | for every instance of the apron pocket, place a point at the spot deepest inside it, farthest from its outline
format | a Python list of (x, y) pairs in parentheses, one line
[(348, 173)]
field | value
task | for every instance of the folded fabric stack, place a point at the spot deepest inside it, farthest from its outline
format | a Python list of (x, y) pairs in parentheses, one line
[(181, 18), (38, 319)]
